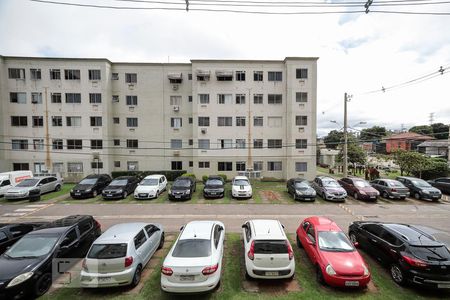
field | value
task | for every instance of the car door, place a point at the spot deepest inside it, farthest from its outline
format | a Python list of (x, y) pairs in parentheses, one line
[(42, 185), (247, 234), (164, 183), (87, 235), (4, 241), (51, 184), (311, 241), (153, 239), (373, 241), (139, 245), (5, 185), (389, 246), (218, 244), (68, 247)]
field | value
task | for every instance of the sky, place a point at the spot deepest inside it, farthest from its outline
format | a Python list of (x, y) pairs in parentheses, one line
[(358, 53)]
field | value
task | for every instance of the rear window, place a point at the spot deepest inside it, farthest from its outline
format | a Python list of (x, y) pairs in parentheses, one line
[(108, 251), (271, 247), (192, 248), (440, 253)]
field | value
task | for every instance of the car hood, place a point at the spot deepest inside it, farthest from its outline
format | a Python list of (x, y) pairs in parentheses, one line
[(367, 189), (83, 187), (213, 187), (114, 187), (12, 267), (334, 189), (306, 191), (145, 188), (20, 189), (345, 263), (245, 188), (430, 189), (180, 188)]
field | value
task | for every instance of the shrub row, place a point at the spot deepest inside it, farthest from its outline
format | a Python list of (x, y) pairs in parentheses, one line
[(170, 175)]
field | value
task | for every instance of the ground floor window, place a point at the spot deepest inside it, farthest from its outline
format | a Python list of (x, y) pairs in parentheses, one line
[(75, 167), (132, 166), (274, 166), (301, 167), (224, 166), (240, 166), (177, 165), (257, 165), (21, 166)]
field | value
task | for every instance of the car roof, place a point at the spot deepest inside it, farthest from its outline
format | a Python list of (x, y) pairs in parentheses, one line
[(409, 177), (323, 224), (50, 230), (298, 179), (69, 221), (184, 178), (121, 233), (96, 175), (268, 229), (153, 176), (197, 229), (124, 177), (409, 233)]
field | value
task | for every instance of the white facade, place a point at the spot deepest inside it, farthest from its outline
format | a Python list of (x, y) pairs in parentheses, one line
[(273, 103)]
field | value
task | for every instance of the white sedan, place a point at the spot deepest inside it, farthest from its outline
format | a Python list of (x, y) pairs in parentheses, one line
[(194, 263), (241, 188)]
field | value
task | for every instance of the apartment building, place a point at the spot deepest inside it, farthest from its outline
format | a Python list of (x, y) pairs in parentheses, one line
[(82, 116)]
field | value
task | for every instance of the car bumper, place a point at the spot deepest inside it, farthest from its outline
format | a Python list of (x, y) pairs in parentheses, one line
[(241, 194), (305, 197), (16, 196), (266, 273), (142, 196), (192, 287), (179, 197), (431, 197), (20, 291), (112, 196), (428, 280), (398, 195), (213, 194), (97, 280), (346, 281), (81, 195), (335, 198), (367, 197)]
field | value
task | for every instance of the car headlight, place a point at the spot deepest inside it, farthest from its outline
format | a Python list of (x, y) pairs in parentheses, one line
[(298, 192), (71, 190), (188, 192), (329, 269), (88, 190), (366, 270), (426, 192), (120, 191), (363, 193), (19, 279)]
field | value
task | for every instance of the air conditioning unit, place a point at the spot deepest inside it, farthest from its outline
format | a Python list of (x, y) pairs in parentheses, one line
[(301, 129), (176, 108), (204, 130), (174, 87), (176, 153), (34, 101)]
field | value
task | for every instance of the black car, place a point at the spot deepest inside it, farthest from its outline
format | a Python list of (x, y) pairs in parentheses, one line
[(300, 189), (214, 187), (443, 184), (420, 189), (120, 187), (182, 188), (91, 186), (26, 267), (11, 233), (412, 255)]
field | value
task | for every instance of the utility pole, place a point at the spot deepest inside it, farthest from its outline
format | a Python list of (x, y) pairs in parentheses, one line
[(249, 139), (431, 118), (47, 135), (345, 158)]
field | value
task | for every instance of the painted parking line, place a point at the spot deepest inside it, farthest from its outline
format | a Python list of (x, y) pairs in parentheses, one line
[(36, 205), (25, 209), (14, 214)]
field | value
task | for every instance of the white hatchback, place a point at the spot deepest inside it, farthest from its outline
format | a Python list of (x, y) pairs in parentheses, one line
[(150, 187), (268, 253), (241, 187), (194, 263)]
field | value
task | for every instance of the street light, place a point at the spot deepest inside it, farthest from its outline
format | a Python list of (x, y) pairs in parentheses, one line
[(360, 123)]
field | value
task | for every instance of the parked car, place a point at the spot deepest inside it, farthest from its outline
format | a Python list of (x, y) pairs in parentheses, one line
[(390, 188), (119, 255), (11, 179), (44, 184), (241, 187), (359, 188), (443, 184), (26, 267), (150, 187), (300, 189), (120, 187), (90, 186), (214, 187), (420, 189), (411, 254), (267, 251), (337, 261), (329, 189), (11, 233), (182, 188), (194, 263)]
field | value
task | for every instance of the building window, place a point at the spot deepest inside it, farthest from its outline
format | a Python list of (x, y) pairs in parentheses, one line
[(274, 166), (132, 100), (38, 144), (301, 73), (55, 97), (257, 165), (19, 121), (203, 164), (190, 120), (190, 142), (35, 74), (301, 143), (176, 144), (275, 76), (97, 165), (95, 75), (225, 143), (203, 144), (117, 164), (258, 121), (189, 76), (224, 121), (175, 100), (132, 144), (189, 98), (96, 144), (73, 121), (240, 121), (258, 98), (72, 74), (240, 166), (301, 167), (36, 98), (203, 98), (177, 165), (55, 74), (116, 120), (240, 75), (240, 143), (301, 97), (257, 143), (224, 166), (116, 142), (130, 78), (74, 144), (258, 75), (73, 98), (57, 144), (58, 167), (176, 122), (132, 122), (275, 121), (38, 121), (57, 121), (21, 166), (240, 98), (224, 98), (203, 121), (301, 120), (115, 76), (115, 98), (19, 144), (75, 167), (132, 166), (14, 73), (20, 98), (274, 98), (274, 143), (96, 121), (95, 98)]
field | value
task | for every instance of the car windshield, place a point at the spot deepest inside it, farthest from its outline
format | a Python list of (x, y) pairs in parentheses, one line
[(302, 185), (334, 241), (192, 248), (330, 183), (32, 246), (421, 183), (395, 183), (361, 184), (28, 183), (214, 182), (107, 251), (119, 182), (182, 183), (150, 181), (241, 182), (88, 181)]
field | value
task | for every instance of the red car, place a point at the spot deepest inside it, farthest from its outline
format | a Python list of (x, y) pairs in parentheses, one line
[(359, 188), (337, 261)]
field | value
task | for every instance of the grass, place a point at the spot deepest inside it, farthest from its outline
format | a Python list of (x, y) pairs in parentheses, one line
[(383, 174), (233, 278)]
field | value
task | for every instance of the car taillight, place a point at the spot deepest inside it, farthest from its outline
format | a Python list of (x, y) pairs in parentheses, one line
[(251, 252), (290, 252), (166, 271), (128, 261), (97, 224), (415, 262), (210, 270), (84, 265)]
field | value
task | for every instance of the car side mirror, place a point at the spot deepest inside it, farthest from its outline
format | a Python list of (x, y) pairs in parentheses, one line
[(40, 184), (311, 242), (282, 225), (182, 227), (244, 226), (220, 228), (356, 244)]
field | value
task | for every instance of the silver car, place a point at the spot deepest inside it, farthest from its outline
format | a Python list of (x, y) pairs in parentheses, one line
[(119, 255), (45, 184)]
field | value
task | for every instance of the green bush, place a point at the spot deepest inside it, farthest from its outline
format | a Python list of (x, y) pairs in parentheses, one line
[(272, 179), (204, 178), (192, 175), (170, 174), (224, 176)]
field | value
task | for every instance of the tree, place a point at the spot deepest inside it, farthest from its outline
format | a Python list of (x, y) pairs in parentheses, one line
[(411, 162), (355, 154), (333, 139), (440, 131), (374, 133), (422, 129)]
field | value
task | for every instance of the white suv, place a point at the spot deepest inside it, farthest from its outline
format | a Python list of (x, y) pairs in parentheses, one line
[(241, 188), (150, 187), (268, 253)]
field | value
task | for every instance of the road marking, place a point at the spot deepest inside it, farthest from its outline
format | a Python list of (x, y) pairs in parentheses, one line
[(25, 209), (13, 214), (36, 205)]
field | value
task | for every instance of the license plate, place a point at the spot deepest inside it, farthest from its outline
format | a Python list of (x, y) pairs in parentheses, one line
[(187, 277), (104, 279), (372, 197), (271, 273), (77, 194), (142, 195), (352, 283), (444, 285), (178, 197), (108, 195), (213, 193)]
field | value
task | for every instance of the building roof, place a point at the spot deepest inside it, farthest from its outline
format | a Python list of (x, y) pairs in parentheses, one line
[(434, 143), (409, 136)]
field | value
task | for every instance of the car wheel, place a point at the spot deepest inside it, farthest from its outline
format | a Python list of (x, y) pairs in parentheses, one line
[(94, 193), (124, 195), (397, 275), (247, 276), (137, 276), (57, 188), (161, 241), (43, 284), (299, 244), (157, 194), (417, 195), (319, 275), (355, 196), (385, 195)]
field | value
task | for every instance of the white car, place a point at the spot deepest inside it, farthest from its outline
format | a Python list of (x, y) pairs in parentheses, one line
[(11, 179), (119, 255), (268, 253), (44, 184), (150, 187), (194, 263), (241, 188)]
